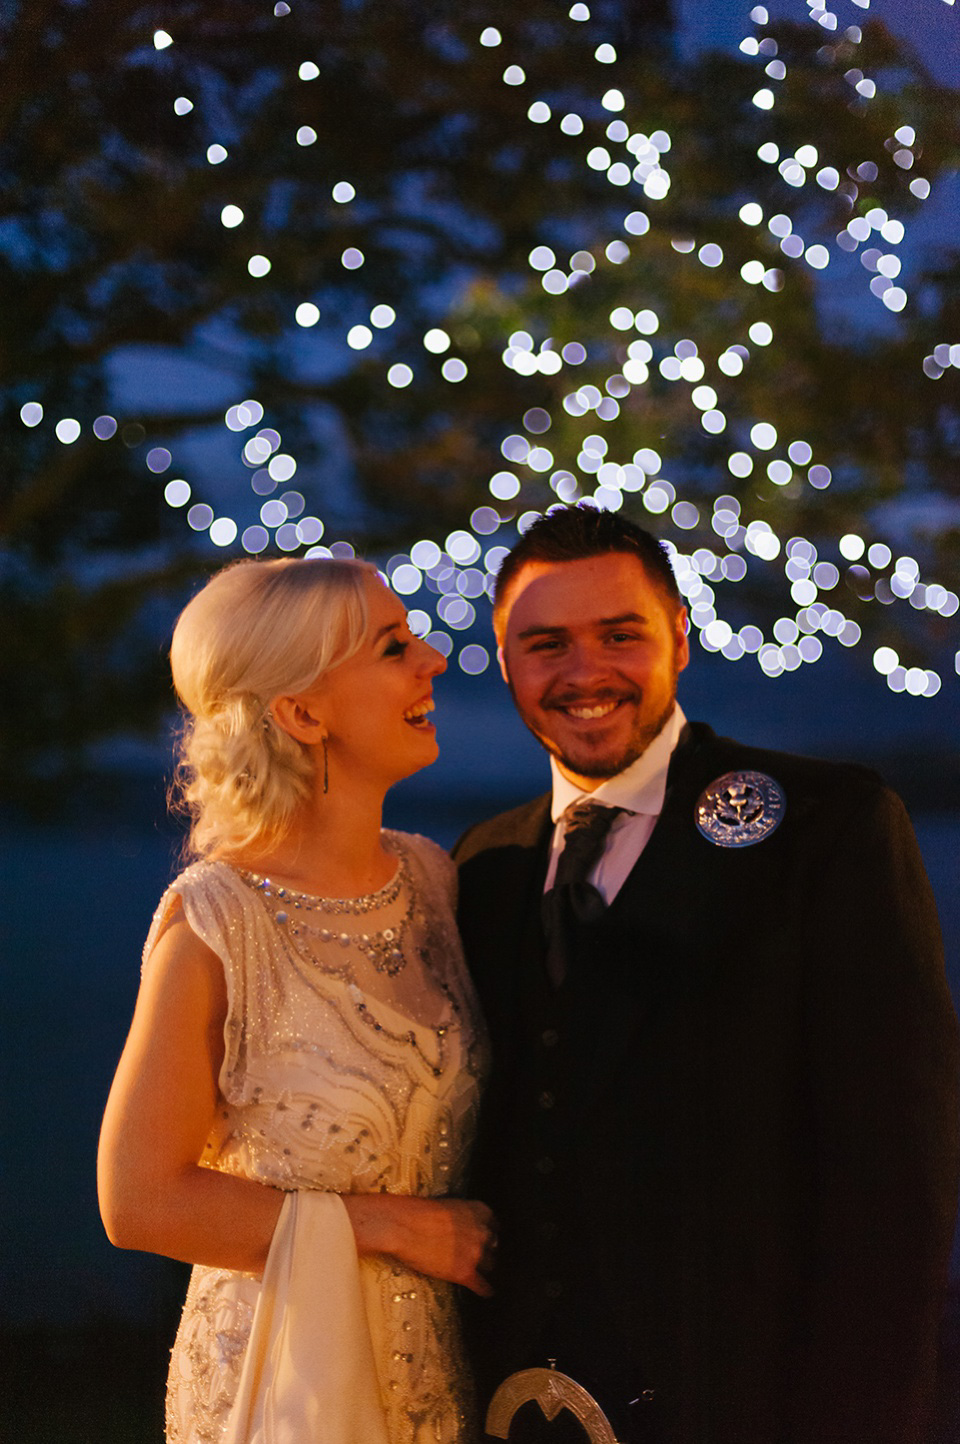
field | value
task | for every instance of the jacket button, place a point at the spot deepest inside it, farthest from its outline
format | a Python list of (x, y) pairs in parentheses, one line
[(550, 1037), (553, 1288), (546, 1099), (545, 1164)]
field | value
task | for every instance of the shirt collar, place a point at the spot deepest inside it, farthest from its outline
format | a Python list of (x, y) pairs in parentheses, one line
[(641, 787)]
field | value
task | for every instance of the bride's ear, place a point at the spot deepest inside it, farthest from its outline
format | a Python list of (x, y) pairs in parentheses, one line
[(301, 716)]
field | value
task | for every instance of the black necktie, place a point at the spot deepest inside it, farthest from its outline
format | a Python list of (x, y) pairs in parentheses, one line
[(571, 896)]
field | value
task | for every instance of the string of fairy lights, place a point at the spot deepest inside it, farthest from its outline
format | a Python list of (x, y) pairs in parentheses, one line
[(448, 577)]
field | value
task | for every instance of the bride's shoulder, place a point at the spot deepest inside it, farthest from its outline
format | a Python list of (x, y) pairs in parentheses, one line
[(208, 883), (416, 843), (206, 895), (428, 857), (206, 873)]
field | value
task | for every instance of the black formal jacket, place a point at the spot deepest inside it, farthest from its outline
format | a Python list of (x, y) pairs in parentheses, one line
[(724, 1153)]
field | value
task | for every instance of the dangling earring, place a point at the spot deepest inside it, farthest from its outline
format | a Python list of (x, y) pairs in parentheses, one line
[(326, 769)]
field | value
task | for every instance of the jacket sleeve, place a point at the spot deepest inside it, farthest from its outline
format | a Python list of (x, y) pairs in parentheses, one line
[(883, 1070)]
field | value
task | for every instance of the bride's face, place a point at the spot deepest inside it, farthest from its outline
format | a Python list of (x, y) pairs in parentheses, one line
[(375, 705)]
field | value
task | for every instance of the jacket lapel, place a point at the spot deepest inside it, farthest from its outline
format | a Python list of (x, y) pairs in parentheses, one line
[(500, 890)]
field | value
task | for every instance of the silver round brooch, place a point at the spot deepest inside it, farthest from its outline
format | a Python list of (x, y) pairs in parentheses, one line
[(740, 808)]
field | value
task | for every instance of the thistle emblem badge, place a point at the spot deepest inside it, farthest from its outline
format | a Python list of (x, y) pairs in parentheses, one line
[(740, 808)]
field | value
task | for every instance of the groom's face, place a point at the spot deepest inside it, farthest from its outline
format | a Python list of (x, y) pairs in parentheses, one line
[(591, 651)]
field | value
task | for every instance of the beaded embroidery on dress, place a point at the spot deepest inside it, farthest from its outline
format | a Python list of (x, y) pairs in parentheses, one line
[(354, 1053)]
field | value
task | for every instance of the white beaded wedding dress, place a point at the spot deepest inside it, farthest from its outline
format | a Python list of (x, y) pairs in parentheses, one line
[(354, 1052)]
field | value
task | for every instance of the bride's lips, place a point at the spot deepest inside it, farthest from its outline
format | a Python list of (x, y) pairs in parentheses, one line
[(417, 715)]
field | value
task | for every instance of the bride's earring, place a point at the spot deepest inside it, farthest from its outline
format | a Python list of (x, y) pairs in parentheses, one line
[(326, 769)]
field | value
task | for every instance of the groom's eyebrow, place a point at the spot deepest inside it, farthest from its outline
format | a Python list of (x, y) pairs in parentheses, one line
[(542, 630), (539, 631)]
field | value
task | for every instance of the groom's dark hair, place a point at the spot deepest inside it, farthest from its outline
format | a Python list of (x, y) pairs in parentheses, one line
[(574, 533)]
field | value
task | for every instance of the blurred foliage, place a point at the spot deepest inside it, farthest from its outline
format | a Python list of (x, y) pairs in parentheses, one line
[(113, 256), (111, 242), (843, 373)]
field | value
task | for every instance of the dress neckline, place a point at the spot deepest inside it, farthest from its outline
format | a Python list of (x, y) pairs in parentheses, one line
[(359, 902)]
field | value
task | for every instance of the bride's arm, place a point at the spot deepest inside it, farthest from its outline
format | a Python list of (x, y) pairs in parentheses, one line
[(155, 1196), (153, 1193)]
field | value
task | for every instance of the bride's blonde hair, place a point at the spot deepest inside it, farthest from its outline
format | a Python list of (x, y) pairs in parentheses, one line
[(258, 629)]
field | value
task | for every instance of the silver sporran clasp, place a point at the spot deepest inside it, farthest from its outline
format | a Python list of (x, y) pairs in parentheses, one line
[(552, 1391)]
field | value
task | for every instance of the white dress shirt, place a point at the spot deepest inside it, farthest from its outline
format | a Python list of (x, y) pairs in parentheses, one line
[(640, 789)]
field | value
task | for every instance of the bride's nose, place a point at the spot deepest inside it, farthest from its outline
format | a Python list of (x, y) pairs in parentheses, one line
[(430, 662)]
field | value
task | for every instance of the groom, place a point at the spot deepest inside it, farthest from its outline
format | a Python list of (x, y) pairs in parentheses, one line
[(721, 1131)]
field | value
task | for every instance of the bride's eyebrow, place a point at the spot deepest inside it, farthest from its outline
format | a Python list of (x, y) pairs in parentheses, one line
[(385, 631)]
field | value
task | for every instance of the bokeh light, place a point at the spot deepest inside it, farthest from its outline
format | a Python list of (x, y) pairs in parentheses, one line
[(451, 577)]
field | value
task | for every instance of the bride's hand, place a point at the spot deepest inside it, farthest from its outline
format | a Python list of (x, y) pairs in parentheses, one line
[(447, 1238)]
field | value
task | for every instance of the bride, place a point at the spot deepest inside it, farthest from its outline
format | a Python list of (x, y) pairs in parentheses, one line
[(296, 1098)]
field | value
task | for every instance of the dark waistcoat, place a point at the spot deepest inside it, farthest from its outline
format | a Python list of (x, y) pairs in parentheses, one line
[(585, 1157)]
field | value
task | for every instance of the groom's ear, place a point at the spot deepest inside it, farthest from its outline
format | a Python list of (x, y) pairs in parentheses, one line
[(502, 664)]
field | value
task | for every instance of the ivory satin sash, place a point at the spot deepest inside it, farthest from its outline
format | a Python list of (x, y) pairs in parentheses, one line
[(308, 1375)]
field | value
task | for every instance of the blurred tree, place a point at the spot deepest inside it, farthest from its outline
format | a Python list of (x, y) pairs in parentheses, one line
[(769, 157), (126, 295), (114, 261)]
